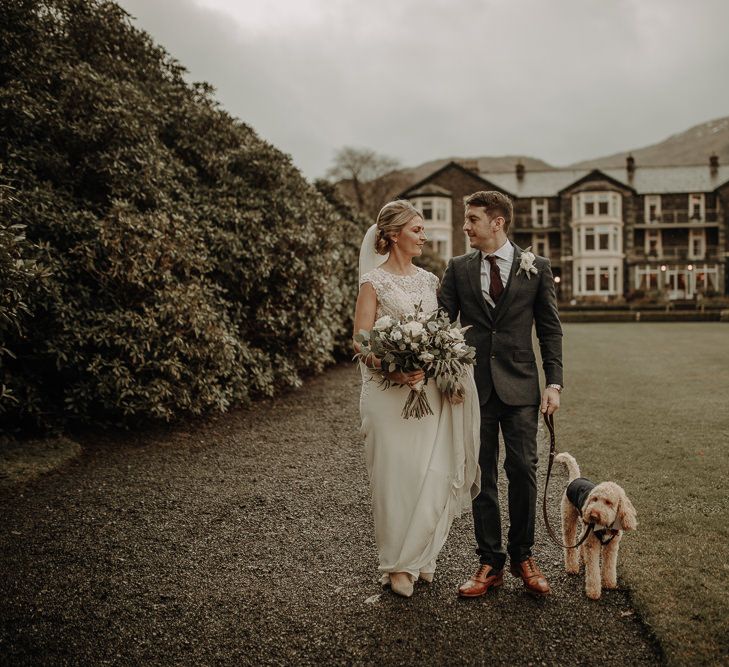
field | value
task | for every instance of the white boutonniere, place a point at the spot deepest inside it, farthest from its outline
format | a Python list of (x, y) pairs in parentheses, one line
[(526, 263)]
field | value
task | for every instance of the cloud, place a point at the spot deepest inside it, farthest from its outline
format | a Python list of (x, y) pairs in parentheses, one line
[(562, 80)]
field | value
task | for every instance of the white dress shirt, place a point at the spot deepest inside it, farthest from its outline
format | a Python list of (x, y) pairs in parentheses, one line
[(504, 259)]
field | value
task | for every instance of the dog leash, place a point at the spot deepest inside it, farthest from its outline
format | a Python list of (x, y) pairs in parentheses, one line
[(549, 421)]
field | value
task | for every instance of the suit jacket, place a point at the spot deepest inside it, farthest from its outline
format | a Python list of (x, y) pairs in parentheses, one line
[(502, 336)]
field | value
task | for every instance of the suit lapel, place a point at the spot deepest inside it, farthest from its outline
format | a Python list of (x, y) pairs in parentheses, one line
[(474, 277), (512, 287)]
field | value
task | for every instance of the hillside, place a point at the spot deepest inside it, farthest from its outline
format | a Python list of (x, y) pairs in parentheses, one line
[(692, 146)]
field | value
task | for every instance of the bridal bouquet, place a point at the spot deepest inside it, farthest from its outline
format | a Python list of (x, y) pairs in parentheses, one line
[(427, 342)]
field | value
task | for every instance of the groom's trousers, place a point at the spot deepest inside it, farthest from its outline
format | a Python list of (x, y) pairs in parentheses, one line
[(519, 427)]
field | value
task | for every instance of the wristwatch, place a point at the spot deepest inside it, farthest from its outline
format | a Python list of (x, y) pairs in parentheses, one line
[(558, 387)]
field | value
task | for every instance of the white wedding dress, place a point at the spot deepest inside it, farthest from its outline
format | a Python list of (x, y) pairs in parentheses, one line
[(423, 472)]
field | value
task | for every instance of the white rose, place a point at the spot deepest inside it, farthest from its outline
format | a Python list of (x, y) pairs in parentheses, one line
[(426, 357), (527, 259), (526, 263), (413, 328), (396, 335), (385, 322)]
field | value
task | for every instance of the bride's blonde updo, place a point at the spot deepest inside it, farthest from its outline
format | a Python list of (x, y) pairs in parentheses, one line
[(392, 217)]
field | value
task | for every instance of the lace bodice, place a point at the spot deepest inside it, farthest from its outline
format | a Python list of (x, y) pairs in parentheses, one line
[(398, 296)]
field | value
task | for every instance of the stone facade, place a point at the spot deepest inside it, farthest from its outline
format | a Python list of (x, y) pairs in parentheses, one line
[(611, 235)]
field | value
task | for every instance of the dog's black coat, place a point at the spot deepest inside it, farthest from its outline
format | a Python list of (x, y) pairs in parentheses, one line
[(578, 490)]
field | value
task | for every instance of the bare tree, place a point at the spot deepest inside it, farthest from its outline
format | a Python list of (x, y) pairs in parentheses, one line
[(368, 178)]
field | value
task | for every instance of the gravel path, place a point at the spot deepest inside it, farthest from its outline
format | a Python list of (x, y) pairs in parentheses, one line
[(247, 539)]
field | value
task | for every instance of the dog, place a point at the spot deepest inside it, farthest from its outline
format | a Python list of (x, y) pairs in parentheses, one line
[(607, 507)]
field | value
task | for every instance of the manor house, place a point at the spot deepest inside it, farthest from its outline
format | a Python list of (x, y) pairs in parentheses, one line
[(610, 234)]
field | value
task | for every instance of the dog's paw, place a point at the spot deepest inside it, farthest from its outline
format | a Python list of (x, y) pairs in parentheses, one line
[(572, 568), (609, 584), (593, 594)]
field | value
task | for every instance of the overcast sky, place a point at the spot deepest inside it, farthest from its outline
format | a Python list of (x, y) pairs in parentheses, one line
[(561, 80)]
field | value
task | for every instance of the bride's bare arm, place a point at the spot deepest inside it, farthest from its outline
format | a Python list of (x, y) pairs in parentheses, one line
[(364, 318)]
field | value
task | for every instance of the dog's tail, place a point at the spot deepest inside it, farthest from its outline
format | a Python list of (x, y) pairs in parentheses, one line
[(572, 468)]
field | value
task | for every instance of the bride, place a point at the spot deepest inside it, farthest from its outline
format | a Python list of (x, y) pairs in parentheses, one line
[(423, 472)]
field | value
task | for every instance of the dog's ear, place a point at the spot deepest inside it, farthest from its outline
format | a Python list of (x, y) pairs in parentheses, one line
[(627, 514)]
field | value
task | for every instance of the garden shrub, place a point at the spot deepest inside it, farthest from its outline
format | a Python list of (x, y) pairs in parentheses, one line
[(19, 274), (188, 264)]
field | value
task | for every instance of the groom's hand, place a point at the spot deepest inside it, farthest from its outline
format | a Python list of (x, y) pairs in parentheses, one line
[(550, 401)]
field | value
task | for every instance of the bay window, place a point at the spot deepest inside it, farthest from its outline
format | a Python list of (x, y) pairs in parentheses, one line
[(437, 218)]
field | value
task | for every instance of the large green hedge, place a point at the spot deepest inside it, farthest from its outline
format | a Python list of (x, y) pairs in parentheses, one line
[(19, 275), (189, 265)]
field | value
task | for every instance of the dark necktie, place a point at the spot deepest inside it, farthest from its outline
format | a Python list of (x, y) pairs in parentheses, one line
[(496, 287)]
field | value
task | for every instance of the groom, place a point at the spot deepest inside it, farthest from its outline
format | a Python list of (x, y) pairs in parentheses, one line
[(500, 291)]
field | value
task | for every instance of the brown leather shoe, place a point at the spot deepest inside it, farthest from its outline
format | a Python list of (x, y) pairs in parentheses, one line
[(534, 581), (484, 579)]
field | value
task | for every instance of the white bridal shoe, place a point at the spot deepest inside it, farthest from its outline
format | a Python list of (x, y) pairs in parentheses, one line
[(402, 585), (427, 575)]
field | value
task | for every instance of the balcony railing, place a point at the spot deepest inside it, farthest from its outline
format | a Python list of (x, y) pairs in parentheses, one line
[(526, 221), (675, 253), (682, 218)]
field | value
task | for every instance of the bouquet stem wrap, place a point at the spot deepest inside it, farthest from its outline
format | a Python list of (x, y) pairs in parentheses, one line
[(417, 404)]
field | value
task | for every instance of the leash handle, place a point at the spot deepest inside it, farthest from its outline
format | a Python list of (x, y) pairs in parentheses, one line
[(549, 421)]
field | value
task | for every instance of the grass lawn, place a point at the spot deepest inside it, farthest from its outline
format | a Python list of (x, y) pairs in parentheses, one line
[(647, 405), (24, 460)]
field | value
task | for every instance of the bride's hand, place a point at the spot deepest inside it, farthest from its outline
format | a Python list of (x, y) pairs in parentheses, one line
[(410, 379)]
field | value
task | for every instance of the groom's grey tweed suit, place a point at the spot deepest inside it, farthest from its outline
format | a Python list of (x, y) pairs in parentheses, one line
[(508, 387)]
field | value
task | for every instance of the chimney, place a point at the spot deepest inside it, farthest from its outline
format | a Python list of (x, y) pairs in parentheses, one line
[(630, 165), (714, 163), (519, 171), (471, 165)]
